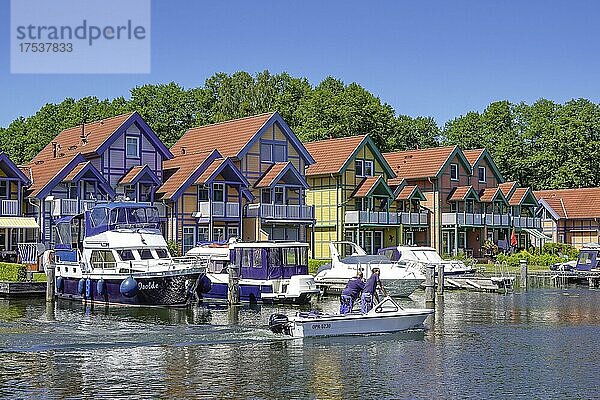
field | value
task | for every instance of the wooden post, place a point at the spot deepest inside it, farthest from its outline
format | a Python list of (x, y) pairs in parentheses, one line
[(50, 281), (523, 265), (429, 285), (440, 280), (233, 288)]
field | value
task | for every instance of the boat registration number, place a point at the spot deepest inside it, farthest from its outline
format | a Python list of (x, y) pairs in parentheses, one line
[(321, 326)]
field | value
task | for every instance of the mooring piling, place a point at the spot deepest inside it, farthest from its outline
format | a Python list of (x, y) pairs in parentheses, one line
[(233, 287), (440, 280), (523, 265), (430, 285), (50, 270)]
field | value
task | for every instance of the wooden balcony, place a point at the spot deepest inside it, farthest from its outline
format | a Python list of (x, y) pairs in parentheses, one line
[(414, 218), (527, 222), (281, 211), (497, 220), (463, 219), (220, 209), (9, 208)]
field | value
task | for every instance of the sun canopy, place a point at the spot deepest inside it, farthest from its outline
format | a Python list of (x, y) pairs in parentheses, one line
[(18, 222), (537, 234)]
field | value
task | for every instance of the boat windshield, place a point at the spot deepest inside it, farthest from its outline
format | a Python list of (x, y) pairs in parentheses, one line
[(133, 216), (428, 256)]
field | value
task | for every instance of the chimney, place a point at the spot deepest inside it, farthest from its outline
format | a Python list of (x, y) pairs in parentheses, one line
[(83, 136), (182, 150), (55, 147)]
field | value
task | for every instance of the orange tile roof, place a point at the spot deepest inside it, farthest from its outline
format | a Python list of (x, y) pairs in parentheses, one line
[(70, 142), (487, 195), (267, 179), (71, 175), (366, 186), (131, 175), (209, 171), (42, 172), (406, 192), (573, 203), (184, 167), (412, 164), (228, 137), (331, 154), (517, 196), (460, 193), (472, 155), (507, 188)]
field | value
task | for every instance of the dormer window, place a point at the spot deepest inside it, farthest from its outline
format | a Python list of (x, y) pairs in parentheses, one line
[(132, 146), (363, 168), (482, 174), (454, 172)]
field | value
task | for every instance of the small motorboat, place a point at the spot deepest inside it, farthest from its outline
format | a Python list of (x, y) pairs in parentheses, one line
[(385, 317), (421, 257), (400, 280)]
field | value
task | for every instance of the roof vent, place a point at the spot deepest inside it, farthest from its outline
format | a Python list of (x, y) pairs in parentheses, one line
[(55, 148), (182, 150), (83, 136)]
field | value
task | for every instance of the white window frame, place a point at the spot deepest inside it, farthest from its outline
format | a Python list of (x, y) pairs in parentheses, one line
[(128, 144), (218, 233), (371, 167), (233, 231), (205, 232), (481, 168), (218, 187), (454, 167), (187, 231), (362, 168)]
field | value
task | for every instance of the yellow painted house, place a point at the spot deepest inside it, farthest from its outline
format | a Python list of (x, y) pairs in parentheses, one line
[(352, 200)]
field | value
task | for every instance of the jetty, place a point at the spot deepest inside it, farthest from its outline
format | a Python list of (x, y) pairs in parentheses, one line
[(22, 289)]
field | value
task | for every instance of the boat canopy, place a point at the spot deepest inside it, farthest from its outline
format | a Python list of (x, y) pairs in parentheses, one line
[(121, 215), (271, 262)]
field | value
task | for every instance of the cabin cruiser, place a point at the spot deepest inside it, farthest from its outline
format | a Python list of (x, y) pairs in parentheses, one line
[(115, 253), (589, 257), (421, 257), (386, 316), (268, 271), (398, 279)]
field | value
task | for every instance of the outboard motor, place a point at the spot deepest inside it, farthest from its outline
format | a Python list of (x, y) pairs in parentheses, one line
[(279, 323)]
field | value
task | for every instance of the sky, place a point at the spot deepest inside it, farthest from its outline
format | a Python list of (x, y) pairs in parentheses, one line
[(424, 58)]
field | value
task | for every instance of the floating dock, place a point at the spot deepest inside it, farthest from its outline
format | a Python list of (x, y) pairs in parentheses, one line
[(22, 289), (503, 284)]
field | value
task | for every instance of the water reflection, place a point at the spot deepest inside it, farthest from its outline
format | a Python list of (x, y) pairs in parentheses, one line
[(479, 345)]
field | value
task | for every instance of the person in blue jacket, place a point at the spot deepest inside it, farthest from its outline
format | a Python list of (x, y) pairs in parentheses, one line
[(370, 291), (351, 292)]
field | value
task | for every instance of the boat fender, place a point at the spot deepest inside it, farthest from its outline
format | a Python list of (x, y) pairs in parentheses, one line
[(279, 323), (81, 286), (129, 287), (60, 284), (88, 288), (101, 287), (204, 285)]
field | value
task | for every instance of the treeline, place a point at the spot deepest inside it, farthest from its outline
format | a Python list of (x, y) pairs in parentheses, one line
[(543, 145)]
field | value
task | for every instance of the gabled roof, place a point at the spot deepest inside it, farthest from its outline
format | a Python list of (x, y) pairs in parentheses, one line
[(234, 138), (476, 155), (11, 170), (49, 173), (139, 173), (579, 203), (370, 185), (491, 194), (332, 156), (507, 188), (424, 163), (521, 196), (182, 171), (278, 171), (99, 135), (222, 166), (410, 192), (461, 193)]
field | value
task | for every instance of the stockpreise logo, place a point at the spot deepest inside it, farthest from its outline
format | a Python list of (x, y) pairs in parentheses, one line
[(75, 36)]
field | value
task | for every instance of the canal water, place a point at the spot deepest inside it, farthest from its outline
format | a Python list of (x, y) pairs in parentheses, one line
[(540, 344)]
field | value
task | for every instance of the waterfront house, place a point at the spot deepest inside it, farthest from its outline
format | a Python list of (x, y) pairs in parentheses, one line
[(204, 195), (271, 158), (570, 216), (96, 161), (14, 228), (352, 200)]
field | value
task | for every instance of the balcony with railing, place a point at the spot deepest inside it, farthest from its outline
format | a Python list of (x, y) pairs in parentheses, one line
[(463, 219), (527, 222), (497, 219), (281, 211), (68, 207), (9, 207), (220, 209), (414, 218)]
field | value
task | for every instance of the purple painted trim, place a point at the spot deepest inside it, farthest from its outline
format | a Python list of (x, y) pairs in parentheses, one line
[(236, 171), (289, 167), (60, 175), (197, 172), (144, 128), (145, 171), (14, 169), (287, 131)]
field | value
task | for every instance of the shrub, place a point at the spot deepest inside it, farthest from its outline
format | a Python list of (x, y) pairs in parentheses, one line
[(13, 272), (173, 248), (561, 249), (313, 265), (545, 260), (39, 277)]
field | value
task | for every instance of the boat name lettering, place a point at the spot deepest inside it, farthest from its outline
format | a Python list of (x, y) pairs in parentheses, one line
[(147, 286), (321, 326)]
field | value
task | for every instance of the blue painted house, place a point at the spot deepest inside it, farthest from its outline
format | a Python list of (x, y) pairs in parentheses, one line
[(98, 161)]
